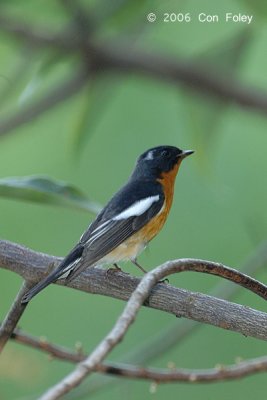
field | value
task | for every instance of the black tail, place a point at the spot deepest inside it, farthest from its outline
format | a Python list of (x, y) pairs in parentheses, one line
[(64, 267)]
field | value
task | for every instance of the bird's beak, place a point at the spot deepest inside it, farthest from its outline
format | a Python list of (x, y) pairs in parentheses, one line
[(186, 153)]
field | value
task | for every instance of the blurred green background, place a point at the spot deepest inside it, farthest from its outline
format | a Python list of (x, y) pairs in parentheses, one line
[(92, 140)]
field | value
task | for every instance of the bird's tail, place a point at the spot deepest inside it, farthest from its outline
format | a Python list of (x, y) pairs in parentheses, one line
[(64, 267)]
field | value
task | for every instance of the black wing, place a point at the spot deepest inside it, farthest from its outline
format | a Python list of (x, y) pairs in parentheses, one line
[(115, 234), (129, 194), (106, 232)]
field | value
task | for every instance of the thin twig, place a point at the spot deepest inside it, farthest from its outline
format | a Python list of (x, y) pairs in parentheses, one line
[(13, 316), (220, 373), (236, 371), (42, 344)]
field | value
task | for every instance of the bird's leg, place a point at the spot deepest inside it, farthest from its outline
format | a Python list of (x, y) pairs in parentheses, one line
[(116, 268), (166, 280), (134, 261)]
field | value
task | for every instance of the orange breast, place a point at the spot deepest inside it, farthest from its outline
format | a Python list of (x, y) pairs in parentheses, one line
[(136, 243), (167, 180)]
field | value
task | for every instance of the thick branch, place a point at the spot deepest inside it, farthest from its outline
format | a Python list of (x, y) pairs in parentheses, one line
[(117, 57), (230, 372), (32, 266), (200, 77)]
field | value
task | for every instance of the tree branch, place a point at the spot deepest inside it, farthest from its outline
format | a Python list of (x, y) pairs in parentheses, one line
[(235, 371), (115, 56), (13, 316), (127, 317), (199, 77), (32, 266), (53, 350), (177, 331)]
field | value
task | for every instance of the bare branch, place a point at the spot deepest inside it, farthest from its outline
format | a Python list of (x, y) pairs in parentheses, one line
[(21, 260), (177, 331), (32, 266), (13, 316), (128, 316), (220, 373), (53, 350), (236, 371), (202, 78)]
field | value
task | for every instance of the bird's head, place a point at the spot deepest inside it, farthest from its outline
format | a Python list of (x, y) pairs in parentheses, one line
[(158, 161)]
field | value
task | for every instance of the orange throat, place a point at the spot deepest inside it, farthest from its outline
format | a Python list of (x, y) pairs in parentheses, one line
[(167, 181)]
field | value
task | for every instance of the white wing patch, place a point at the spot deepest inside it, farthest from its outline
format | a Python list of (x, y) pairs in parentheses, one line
[(138, 208)]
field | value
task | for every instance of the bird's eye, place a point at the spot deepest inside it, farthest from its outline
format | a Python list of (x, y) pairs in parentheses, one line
[(164, 153)]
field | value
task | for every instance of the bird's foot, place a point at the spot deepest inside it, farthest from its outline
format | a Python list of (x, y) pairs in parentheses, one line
[(165, 280), (114, 269)]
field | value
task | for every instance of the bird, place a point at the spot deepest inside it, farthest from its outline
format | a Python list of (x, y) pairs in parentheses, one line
[(129, 221)]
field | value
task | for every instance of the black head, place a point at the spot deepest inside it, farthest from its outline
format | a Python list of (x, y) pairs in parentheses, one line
[(158, 160)]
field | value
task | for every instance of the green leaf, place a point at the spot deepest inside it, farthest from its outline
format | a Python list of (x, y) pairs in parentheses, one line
[(44, 190)]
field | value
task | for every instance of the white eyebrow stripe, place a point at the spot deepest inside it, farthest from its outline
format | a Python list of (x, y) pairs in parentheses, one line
[(138, 208)]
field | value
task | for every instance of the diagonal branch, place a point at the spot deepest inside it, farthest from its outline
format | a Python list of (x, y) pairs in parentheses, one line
[(127, 317), (55, 351), (177, 331), (235, 371), (13, 316)]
